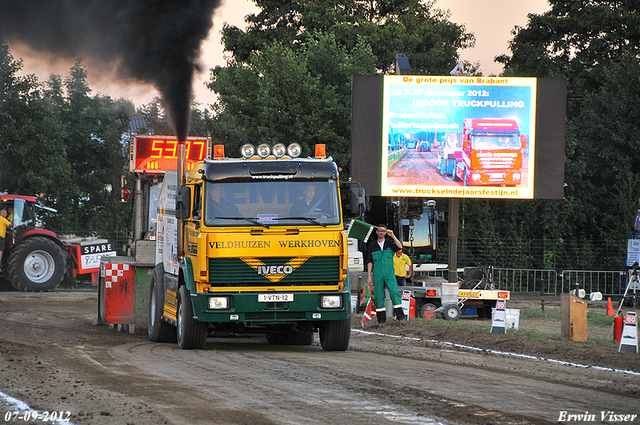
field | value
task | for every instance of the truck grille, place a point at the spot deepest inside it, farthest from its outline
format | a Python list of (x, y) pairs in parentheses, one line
[(313, 271)]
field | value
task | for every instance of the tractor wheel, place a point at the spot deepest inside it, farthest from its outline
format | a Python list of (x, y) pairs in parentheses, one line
[(159, 331), (36, 264), (191, 333)]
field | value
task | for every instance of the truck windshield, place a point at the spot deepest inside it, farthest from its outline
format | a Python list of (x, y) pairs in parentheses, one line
[(496, 142), (271, 203)]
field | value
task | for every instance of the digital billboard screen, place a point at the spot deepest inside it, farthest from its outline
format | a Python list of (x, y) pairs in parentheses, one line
[(458, 137)]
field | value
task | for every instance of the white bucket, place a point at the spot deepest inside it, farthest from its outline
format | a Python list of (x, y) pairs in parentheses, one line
[(512, 317), (449, 293)]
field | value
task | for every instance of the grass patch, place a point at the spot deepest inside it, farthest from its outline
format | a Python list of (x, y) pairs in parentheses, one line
[(550, 315), (539, 335), (599, 319), (595, 318)]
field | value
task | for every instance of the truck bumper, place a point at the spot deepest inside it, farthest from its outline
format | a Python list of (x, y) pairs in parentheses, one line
[(245, 307)]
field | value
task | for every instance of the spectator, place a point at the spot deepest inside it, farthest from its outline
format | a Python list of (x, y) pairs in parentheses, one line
[(400, 263)]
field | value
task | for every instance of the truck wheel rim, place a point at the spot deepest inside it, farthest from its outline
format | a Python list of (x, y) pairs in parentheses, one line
[(179, 320), (39, 266), (152, 316)]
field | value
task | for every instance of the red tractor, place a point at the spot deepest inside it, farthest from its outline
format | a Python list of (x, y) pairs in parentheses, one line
[(34, 259)]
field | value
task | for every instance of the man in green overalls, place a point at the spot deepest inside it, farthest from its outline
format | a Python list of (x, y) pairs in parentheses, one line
[(381, 272)]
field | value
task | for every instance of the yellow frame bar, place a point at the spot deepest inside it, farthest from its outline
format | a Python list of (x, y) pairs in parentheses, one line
[(274, 289)]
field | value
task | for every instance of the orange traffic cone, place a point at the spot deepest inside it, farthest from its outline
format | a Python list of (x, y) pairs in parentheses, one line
[(609, 307)]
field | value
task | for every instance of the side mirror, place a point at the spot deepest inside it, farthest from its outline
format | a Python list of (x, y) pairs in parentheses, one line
[(358, 202), (183, 203)]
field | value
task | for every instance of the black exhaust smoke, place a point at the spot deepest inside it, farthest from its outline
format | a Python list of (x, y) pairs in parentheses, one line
[(153, 41)]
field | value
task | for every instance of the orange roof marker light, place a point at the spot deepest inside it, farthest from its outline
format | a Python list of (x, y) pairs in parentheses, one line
[(218, 152), (320, 151)]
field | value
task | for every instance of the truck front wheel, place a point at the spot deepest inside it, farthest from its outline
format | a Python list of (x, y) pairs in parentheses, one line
[(191, 333), (335, 335), (36, 265)]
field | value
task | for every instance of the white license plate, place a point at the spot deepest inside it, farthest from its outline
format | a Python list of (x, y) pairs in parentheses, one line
[(275, 298)]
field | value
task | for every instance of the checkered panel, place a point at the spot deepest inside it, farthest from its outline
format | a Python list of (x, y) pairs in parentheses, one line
[(112, 271)]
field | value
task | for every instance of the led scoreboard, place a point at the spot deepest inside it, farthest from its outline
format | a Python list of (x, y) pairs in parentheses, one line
[(157, 154)]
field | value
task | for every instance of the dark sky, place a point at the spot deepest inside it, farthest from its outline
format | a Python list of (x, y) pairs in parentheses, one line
[(153, 41)]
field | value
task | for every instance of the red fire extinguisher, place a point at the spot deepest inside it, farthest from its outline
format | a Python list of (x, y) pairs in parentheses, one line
[(618, 322)]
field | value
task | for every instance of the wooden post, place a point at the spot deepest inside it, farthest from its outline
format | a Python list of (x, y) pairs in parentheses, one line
[(574, 318)]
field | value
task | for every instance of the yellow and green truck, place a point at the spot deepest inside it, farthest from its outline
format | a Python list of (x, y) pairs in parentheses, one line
[(249, 245)]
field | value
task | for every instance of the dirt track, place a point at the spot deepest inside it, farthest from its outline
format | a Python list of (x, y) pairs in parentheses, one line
[(53, 358)]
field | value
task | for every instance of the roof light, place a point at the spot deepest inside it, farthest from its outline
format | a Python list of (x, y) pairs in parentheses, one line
[(279, 150), (218, 152), (263, 150), (247, 150), (294, 150), (320, 151)]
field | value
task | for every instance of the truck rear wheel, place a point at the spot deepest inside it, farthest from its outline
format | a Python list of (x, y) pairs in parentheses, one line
[(159, 331), (191, 333), (35, 265), (335, 335)]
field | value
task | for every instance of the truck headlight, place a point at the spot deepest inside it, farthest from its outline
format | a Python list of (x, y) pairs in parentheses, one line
[(279, 150), (263, 150), (218, 303), (331, 301), (294, 150), (247, 150)]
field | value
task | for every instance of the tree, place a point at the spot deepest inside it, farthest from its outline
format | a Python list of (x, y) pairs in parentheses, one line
[(65, 147), (94, 143), (594, 45), (289, 78), (412, 27), (284, 96), (32, 152)]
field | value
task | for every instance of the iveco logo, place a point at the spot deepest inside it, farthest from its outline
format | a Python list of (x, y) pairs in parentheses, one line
[(286, 269), (275, 273)]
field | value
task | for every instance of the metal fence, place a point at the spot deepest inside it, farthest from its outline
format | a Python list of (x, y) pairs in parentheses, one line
[(526, 280), (550, 282), (607, 282)]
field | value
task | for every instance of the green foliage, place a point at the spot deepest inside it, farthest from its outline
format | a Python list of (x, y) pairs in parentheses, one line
[(289, 77), (594, 45), (284, 96), (57, 140), (32, 153), (412, 27)]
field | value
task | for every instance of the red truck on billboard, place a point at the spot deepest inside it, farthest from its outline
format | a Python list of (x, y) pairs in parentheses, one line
[(491, 152)]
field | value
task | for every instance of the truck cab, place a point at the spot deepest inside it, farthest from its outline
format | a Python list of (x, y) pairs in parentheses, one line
[(492, 152), (263, 251)]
